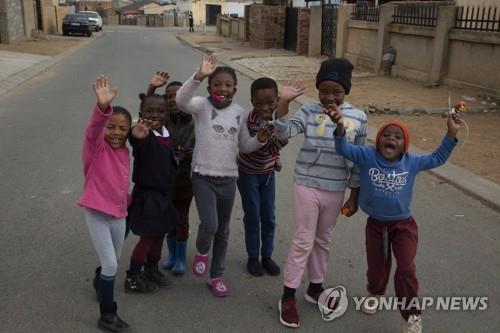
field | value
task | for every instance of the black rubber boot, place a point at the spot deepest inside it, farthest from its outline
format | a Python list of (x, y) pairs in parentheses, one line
[(109, 320), (95, 283), (138, 283), (153, 274)]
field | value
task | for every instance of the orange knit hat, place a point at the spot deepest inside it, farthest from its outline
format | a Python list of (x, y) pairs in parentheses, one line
[(404, 129)]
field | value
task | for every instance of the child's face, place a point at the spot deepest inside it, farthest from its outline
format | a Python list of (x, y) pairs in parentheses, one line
[(155, 109), (264, 102), (116, 131), (170, 94), (222, 84), (331, 92), (391, 143)]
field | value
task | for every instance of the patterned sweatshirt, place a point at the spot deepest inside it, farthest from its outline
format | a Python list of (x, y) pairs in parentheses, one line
[(220, 133), (262, 160), (318, 164)]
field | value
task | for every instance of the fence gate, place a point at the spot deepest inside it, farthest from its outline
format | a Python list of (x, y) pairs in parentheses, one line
[(291, 22), (329, 29)]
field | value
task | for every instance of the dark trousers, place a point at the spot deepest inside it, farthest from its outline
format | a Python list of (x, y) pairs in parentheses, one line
[(258, 197), (148, 250), (181, 232), (402, 238)]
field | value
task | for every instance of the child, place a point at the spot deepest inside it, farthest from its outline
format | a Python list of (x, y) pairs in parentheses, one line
[(321, 177), (256, 181), (106, 166), (220, 129), (181, 128), (388, 173), (151, 213)]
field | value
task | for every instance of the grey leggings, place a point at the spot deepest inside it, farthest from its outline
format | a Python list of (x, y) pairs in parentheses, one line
[(107, 233), (214, 198)]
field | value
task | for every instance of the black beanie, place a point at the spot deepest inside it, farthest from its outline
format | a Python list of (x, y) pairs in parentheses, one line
[(338, 70)]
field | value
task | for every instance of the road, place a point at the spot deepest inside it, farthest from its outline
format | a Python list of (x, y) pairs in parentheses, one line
[(48, 258)]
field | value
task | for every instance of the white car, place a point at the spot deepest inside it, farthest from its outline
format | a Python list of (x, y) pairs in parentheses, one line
[(94, 18)]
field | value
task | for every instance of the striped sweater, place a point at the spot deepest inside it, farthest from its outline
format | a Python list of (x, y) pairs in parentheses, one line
[(262, 160), (318, 164)]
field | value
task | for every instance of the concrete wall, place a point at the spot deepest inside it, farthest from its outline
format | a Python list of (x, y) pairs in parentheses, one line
[(414, 47), (303, 31), (314, 42), (474, 58), (477, 2), (225, 26), (11, 21), (227, 7), (361, 43), (241, 29), (234, 28), (29, 17), (266, 26)]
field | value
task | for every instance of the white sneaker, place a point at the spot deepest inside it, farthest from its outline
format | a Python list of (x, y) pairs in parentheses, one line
[(413, 325), (370, 304)]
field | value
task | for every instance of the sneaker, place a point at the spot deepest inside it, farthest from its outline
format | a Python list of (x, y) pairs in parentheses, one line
[(413, 325), (270, 266), (289, 316), (254, 267), (370, 305), (138, 283), (200, 264), (313, 298), (218, 287), (153, 274)]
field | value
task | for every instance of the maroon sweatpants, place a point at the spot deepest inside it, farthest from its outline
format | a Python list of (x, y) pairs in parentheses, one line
[(403, 239)]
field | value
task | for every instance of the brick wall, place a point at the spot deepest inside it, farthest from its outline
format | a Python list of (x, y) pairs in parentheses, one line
[(303, 31), (11, 21), (266, 26)]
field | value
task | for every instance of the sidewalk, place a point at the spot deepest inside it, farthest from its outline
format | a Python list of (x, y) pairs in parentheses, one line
[(283, 65), (20, 66)]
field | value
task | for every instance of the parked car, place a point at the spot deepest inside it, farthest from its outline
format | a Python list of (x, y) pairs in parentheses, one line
[(76, 23), (94, 18)]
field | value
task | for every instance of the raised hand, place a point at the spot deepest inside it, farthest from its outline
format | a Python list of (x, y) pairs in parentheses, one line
[(103, 92), (278, 165), (207, 67), (159, 79), (265, 133), (292, 90), (335, 114), (454, 124), (141, 130)]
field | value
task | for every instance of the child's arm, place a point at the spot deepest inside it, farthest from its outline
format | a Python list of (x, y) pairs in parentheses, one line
[(289, 127), (291, 91), (355, 153), (278, 165), (142, 129), (184, 98), (158, 80), (94, 134), (248, 143), (442, 153)]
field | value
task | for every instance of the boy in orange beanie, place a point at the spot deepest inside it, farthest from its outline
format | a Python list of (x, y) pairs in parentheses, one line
[(387, 174)]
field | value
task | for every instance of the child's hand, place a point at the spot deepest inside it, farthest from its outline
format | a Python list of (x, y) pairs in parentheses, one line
[(207, 67), (179, 153), (277, 165), (141, 130), (454, 123), (336, 116), (265, 133), (159, 79), (350, 207), (292, 90), (103, 92)]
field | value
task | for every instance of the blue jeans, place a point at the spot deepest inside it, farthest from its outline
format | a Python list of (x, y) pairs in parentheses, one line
[(257, 196)]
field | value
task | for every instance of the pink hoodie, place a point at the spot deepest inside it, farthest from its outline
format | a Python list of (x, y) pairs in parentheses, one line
[(106, 170)]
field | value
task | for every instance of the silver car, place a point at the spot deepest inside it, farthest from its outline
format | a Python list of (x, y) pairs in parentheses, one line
[(94, 18)]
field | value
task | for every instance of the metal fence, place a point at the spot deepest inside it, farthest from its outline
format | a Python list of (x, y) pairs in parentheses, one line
[(478, 18), (423, 15), (364, 12)]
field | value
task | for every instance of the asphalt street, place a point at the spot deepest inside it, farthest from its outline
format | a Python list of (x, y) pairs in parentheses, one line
[(48, 258)]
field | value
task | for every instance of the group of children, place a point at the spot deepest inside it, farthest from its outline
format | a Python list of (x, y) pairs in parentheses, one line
[(185, 145)]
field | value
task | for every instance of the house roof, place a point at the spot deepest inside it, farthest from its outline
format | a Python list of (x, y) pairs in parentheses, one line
[(134, 7)]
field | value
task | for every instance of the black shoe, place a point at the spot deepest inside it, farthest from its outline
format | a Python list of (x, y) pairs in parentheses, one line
[(254, 267), (109, 320), (95, 283), (270, 266), (138, 283), (153, 274)]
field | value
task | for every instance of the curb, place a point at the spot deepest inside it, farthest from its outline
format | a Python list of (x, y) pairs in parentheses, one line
[(471, 184), (28, 73)]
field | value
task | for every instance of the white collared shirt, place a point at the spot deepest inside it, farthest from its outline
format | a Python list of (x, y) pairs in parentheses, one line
[(164, 134)]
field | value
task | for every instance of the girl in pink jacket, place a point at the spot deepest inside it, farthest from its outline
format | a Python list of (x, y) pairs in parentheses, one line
[(106, 167)]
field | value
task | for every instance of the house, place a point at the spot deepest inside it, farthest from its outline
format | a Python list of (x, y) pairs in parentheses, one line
[(205, 11), (135, 8)]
